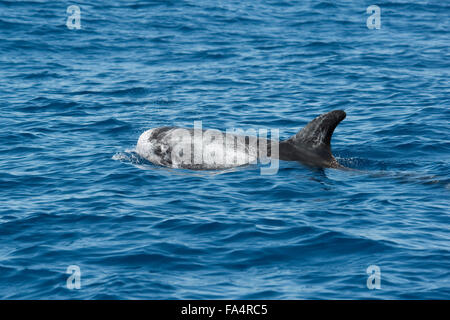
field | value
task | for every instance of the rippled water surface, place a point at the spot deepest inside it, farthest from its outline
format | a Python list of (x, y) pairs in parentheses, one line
[(73, 191)]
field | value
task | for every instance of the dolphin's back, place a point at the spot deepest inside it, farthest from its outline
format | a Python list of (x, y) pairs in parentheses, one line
[(196, 149), (212, 149)]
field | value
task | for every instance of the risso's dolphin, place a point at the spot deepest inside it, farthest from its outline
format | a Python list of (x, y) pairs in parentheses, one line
[(200, 149)]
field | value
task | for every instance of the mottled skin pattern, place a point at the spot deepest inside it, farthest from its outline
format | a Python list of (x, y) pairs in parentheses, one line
[(310, 146)]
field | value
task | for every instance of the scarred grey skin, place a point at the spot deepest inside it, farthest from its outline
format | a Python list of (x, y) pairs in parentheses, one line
[(166, 146)]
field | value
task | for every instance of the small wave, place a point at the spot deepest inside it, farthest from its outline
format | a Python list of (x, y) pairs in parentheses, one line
[(129, 155), (132, 92)]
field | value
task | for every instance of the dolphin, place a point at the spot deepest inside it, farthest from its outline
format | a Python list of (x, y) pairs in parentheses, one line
[(199, 149)]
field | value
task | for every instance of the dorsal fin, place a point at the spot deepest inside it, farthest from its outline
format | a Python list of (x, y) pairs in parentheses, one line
[(317, 134)]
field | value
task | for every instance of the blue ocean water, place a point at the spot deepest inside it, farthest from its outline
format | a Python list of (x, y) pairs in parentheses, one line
[(73, 191)]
